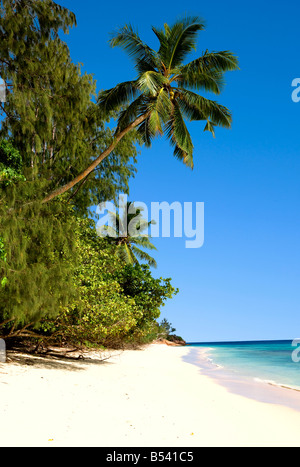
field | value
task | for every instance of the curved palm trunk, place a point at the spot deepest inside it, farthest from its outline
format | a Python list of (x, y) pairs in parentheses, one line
[(97, 161)]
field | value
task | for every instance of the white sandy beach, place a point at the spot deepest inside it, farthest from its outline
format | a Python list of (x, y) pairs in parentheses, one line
[(148, 397)]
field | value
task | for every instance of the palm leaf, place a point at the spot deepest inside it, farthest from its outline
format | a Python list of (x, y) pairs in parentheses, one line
[(207, 71), (219, 61), (144, 132), (107, 231), (219, 114), (144, 242), (145, 58), (125, 254), (143, 256), (151, 82), (160, 110), (120, 95), (129, 114), (188, 108), (210, 126), (179, 137), (163, 105), (155, 125), (163, 46), (207, 80), (182, 39)]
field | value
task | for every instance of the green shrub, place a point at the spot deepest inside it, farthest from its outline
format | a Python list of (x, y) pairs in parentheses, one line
[(117, 304)]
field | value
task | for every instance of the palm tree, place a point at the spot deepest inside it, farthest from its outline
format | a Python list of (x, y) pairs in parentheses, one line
[(126, 232), (164, 93)]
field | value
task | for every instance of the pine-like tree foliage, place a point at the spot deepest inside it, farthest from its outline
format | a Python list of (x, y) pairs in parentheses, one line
[(53, 269), (51, 129), (50, 111), (37, 260)]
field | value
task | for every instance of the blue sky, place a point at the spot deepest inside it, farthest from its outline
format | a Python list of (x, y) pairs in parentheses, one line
[(243, 284)]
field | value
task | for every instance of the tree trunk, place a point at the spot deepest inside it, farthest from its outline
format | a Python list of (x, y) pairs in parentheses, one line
[(97, 161)]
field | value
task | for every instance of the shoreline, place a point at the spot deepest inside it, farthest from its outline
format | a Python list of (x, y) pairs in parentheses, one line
[(258, 389), (152, 397)]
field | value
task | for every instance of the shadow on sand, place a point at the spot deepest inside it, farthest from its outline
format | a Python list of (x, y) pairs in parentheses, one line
[(57, 361)]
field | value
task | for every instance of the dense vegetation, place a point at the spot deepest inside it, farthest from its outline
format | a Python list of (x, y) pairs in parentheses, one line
[(59, 281), (62, 283)]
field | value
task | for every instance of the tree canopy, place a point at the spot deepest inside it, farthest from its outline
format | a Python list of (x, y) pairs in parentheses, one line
[(163, 95), (50, 111), (58, 279), (164, 90), (116, 303)]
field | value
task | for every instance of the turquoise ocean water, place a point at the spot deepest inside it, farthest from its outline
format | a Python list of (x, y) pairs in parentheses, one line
[(262, 361)]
